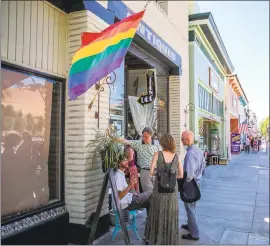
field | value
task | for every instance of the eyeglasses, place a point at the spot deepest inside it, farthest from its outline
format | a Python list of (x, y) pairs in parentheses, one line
[(183, 139)]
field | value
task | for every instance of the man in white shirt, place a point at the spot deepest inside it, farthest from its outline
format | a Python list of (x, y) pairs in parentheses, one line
[(129, 199)]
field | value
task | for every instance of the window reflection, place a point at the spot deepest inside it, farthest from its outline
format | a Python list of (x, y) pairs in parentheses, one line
[(30, 144), (117, 102)]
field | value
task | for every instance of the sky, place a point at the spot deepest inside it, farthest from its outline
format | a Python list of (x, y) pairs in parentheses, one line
[(244, 28)]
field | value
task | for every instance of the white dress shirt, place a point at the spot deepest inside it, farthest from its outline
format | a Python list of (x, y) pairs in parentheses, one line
[(121, 184)]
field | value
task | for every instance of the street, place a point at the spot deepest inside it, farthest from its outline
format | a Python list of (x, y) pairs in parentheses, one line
[(234, 208)]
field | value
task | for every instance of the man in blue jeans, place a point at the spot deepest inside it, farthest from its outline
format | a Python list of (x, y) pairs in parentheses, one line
[(194, 165)]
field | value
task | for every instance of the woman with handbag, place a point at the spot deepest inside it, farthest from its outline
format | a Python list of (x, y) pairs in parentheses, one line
[(162, 226)]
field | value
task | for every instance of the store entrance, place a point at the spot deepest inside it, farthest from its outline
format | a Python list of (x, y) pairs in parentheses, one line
[(127, 116), (209, 132), (154, 114)]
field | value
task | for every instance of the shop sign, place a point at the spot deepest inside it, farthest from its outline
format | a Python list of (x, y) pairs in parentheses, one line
[(151, 88), (152, 38), (235, 143), (121, 11)]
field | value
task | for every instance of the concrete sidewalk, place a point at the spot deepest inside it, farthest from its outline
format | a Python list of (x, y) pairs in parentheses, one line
[(234, 208)]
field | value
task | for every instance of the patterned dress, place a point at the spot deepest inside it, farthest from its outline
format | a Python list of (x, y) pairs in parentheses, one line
[(162, 226)]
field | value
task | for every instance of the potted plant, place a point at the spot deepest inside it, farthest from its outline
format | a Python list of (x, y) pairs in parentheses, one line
[(109, 151)]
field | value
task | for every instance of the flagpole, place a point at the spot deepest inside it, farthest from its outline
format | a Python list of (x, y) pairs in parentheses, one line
[(146, 5)]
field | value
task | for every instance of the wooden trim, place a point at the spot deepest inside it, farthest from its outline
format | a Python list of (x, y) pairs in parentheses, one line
[(32, 69)]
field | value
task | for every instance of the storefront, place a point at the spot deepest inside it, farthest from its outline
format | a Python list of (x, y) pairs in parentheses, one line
[(44, 138), (131, 82), (209, 64), (236, 102), (148, 53), (209, 135)]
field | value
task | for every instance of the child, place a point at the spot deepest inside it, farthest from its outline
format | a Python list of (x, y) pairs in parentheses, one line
[(133, 171)]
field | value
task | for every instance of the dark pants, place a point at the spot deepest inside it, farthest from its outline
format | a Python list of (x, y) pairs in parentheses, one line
[(140, 200), (247, 149)]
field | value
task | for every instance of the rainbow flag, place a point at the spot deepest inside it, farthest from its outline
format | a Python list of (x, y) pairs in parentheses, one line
[(100, 54)]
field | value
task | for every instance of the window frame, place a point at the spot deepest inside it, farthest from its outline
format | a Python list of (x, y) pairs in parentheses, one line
[(218, 106), (205, 98), (23, 214)]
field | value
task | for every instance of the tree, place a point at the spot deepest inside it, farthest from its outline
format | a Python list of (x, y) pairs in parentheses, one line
[(9, 111), (38, 127), (264, 124), (29, 122), (19, 122), (8, 123)]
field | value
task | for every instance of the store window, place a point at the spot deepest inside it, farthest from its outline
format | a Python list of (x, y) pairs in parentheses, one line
[(117, 106), (217, 107), (204, 99), (31, 141)]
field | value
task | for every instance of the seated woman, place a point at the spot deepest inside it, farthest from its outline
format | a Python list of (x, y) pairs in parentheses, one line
[(132, 169)]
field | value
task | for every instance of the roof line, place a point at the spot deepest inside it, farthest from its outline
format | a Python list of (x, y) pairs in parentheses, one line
[(236, 76), (241, 88), (209, 16), (220, 40)]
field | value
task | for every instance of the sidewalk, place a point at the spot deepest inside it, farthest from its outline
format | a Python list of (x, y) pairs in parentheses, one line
[(234, 208)]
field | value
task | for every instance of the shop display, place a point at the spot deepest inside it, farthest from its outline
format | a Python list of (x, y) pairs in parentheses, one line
[(214, 141)]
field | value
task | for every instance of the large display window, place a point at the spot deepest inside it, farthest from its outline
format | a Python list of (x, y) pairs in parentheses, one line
[(31, 141)]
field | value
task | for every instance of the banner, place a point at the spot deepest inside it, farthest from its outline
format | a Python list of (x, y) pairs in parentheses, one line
[(235, 143), (151, 88)]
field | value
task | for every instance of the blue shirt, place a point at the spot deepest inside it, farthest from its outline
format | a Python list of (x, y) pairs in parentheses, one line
[(194, 163)]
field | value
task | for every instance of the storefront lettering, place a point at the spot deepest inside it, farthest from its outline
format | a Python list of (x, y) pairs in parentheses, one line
[(120, 10), (155, 41)]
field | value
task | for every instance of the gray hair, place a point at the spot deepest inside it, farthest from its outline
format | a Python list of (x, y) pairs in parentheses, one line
[(148, 130)]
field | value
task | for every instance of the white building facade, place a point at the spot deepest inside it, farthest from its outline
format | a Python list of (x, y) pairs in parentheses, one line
[(38, 41)]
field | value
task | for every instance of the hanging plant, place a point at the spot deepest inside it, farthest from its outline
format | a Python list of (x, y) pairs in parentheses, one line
[(110, 152)]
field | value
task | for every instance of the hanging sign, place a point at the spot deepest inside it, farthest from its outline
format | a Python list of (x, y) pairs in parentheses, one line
[(235, 143), (151, 88)]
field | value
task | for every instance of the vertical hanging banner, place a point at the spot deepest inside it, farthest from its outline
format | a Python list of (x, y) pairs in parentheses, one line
[(235, 143), (151, 80)]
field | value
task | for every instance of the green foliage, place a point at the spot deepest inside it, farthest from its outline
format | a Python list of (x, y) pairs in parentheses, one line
[(29, 122), (9, 111), (19, 122), (264, 124), (109, 151), (8, 123), (38, 127)]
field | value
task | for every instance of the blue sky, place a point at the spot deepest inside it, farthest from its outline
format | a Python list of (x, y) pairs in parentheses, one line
[(244, 28)]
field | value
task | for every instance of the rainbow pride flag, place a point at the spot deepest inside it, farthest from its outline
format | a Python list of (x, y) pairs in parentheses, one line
[(100, 54)]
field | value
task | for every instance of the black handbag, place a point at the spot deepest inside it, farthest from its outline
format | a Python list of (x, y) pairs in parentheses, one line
[(189, 191)]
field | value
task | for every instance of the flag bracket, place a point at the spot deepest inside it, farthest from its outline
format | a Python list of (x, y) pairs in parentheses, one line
[(108, 80)]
